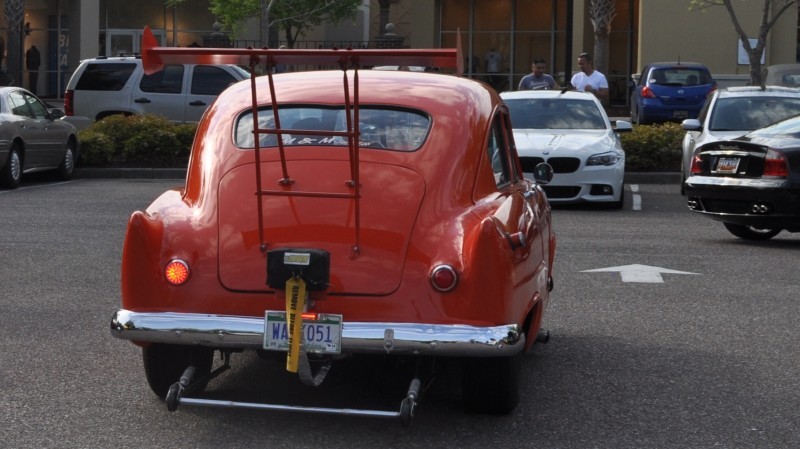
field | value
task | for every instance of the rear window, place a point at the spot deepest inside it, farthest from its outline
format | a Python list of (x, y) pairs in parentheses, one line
[(679, 77), (747, 114), (555, 113), (111, 76), (381, 127)]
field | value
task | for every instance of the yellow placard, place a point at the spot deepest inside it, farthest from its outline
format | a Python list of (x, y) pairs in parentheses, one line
[(295, 303)]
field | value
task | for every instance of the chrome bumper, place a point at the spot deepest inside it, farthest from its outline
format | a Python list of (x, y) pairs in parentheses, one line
[(223, 331)]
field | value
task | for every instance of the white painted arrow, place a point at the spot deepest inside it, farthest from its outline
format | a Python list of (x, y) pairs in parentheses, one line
[(639, 273)]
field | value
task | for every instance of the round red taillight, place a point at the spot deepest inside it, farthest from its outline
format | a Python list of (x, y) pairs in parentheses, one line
[(444, 278), (176, 272)]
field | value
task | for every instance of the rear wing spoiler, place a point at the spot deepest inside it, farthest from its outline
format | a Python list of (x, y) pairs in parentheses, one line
[(154, 58)]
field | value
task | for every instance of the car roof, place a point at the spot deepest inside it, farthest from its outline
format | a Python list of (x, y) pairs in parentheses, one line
[(570, 94), (102, 59), (676, 64), (749, 91)]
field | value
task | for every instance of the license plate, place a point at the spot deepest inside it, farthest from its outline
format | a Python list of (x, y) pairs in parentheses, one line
[(727, 165), (680, 114), (320, 336)]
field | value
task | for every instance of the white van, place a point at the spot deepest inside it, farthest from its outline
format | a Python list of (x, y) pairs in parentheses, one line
[(106, 86)]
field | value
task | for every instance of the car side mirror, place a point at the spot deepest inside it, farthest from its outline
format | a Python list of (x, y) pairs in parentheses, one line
[(56, 113), (543, 173), (691, 124), (623, 126)]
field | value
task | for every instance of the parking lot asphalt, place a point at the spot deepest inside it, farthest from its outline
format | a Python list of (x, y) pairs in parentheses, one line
[(180, 173)]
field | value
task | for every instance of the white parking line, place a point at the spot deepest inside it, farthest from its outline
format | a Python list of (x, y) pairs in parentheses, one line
[(19, 189), (637, 199)]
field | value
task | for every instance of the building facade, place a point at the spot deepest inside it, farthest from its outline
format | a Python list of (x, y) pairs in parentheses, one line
[(500, 38)]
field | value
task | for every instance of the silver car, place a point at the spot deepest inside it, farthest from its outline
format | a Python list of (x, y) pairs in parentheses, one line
[(32, 138), (732, 112)]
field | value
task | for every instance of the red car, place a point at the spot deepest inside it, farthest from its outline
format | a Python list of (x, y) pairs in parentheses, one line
[(403, 228)]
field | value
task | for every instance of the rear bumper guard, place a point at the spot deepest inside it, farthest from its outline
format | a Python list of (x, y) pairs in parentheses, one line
[(225, 331)]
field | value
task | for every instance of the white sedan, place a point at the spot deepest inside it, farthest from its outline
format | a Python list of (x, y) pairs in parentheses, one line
[(571, 132), (733, 112)]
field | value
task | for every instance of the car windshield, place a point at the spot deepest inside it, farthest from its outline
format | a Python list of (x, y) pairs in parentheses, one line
[(555, 113), (381, 127), (749, 113), (679, 77)]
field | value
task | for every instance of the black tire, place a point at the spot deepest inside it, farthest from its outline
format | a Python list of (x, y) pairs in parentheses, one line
[(164, 364), (491, 385), (67, 167), (750, 232), (11, 173)]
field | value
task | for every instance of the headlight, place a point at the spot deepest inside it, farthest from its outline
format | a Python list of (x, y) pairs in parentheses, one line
[(610, 158)]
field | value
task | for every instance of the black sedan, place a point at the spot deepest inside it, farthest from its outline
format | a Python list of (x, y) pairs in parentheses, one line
[(752, 183), (32, 138)]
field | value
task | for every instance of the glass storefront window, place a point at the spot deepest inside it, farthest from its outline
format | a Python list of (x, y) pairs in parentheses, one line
[(534, 15), (506, 35)]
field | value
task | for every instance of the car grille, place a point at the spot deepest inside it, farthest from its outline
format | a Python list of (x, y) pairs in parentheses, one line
[(564, 164), (559, 164), (562, 191)]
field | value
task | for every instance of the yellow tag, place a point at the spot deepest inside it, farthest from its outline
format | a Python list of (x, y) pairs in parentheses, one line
[(295, 303)]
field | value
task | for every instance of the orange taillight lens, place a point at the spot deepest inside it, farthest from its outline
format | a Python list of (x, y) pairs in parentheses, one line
[(176, 272)]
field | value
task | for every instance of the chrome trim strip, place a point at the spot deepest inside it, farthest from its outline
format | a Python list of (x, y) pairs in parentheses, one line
[(224, 331)]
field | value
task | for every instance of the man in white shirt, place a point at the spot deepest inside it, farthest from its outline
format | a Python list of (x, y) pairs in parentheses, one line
[(589, 79)]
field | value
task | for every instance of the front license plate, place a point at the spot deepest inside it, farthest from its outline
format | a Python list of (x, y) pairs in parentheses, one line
[(322, 335), (727, 165)]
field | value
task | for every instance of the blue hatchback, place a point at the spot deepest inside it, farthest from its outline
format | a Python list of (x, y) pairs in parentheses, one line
[(670, 91)]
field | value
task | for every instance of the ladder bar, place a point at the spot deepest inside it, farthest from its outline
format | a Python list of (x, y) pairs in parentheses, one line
[(306, 194), (356, 171), (257, 148)]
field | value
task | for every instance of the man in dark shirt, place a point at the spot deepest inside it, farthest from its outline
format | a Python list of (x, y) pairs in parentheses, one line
[(538, 80), (32, 62)]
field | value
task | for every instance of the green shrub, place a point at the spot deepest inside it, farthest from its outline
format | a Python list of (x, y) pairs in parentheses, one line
[(653, 147), (96, 148), (138, 141)]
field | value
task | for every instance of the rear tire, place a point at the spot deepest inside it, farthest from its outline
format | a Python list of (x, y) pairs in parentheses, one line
[(11, 173), (491, 385), (164, 364), (750, 232)]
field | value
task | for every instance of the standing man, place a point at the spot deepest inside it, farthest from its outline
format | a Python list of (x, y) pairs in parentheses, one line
[(538, 80), (494, 61), (32, 62), (589, 79)]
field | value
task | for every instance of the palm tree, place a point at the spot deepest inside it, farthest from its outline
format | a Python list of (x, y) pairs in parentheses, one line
[(602, 13)]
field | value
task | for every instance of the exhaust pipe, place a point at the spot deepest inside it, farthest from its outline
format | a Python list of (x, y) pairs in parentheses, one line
[(759, 209)]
